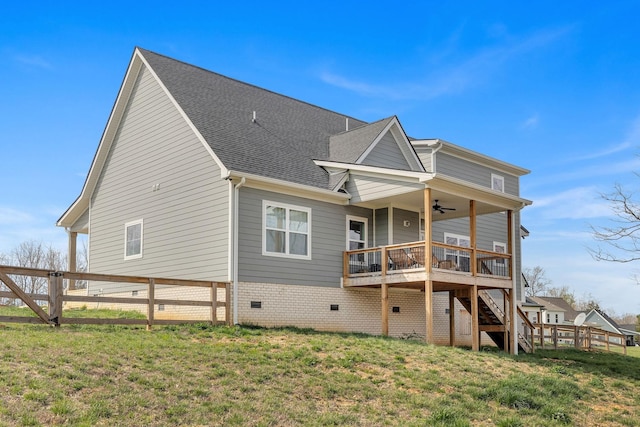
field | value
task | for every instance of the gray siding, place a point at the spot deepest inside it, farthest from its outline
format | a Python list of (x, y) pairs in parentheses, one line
[(328, 242), (402, 234), (382, 227), (473, 172), (185, 232), (387, 154), (424, 154)]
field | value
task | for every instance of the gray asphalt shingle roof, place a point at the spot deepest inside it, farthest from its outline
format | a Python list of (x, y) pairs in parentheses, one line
[(286, 137), (348, 146)]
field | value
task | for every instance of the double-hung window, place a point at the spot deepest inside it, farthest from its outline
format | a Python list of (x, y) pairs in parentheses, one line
[(286, 230), (133, 240)]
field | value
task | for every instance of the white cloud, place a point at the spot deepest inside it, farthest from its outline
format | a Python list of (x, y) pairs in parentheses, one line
[(531, 122), (575, 203), (34, 60), (10, 216)]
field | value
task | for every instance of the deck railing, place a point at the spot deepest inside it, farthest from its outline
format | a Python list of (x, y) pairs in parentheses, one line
[(383, 260)]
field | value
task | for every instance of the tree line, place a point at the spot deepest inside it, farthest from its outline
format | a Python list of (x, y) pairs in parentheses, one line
[(34, 254), (541, 286)]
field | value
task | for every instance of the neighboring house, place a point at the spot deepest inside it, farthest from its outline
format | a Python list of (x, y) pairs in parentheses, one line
[(601, 320), (552, 314), (316, 218)]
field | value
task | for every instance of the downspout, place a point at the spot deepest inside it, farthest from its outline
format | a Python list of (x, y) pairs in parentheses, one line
[(236, 210)]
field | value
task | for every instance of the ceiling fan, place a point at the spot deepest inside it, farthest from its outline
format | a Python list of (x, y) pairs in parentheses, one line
[(441, 209)]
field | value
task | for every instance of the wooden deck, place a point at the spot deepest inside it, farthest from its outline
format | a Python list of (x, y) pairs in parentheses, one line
[(452, 267)]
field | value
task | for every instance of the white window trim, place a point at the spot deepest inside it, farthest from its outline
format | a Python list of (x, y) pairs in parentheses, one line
[(500, 178), (127, 225), (366, 229), (286, 206)]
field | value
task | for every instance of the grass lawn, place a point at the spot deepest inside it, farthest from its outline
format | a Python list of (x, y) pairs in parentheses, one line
[(201, 375)]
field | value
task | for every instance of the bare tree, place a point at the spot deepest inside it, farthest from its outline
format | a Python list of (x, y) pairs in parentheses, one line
[(538, 281), (621, 240), (34, 254)]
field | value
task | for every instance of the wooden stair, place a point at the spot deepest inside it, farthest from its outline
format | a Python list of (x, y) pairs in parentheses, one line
[(490, 315)]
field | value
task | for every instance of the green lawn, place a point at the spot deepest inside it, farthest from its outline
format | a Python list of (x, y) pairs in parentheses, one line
[(201, 375)]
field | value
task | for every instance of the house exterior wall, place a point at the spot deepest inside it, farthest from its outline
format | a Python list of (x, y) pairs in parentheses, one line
[(387, 154), (474, 172), (155, 149), (328, 241), (402, 233)]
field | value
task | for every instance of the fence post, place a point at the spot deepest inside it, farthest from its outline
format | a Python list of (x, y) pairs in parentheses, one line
[(227, 303), (55, 297), (151, 308), (555, 337), (214, 303)]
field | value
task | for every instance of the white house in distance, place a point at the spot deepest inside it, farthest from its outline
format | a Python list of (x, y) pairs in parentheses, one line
[(316, 218)]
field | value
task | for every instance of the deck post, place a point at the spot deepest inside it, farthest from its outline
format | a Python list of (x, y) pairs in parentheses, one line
[(507, 319), (510, 240), (73, 263), (428, 261), (151, 294), (384, 291), (475, 325), (472, 234), (452, 319), (428, 307)]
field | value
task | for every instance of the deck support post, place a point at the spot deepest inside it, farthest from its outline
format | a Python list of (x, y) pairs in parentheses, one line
[(428, 307), (475, 323), (384, 291), (452, 318), (506, 297)]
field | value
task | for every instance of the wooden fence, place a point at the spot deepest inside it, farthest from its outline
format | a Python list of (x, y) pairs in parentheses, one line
[(56, 297), (581, 337)]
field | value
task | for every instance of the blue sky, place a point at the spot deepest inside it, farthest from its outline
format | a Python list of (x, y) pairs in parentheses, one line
[(550, 86)]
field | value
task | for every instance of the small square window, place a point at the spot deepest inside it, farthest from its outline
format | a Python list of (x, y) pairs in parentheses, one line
[(497, 183), (134, 293)]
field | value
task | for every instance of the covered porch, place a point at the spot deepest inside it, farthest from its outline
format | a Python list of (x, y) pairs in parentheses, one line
[(467, 267)]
